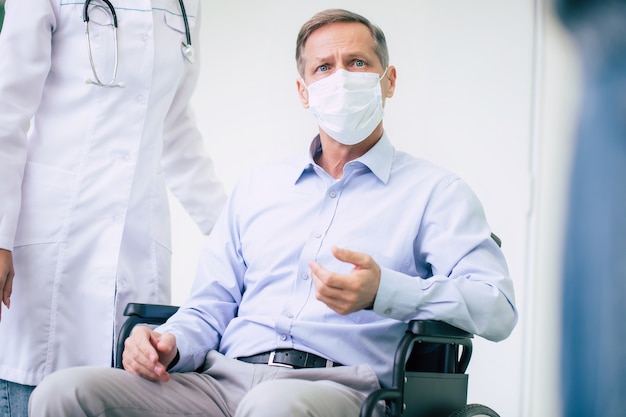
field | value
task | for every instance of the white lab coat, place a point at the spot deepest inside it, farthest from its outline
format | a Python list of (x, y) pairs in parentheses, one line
[(83, 201)]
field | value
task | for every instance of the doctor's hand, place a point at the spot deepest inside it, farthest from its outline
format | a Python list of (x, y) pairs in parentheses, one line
[(355, 291), (148, 353), (6, 278)]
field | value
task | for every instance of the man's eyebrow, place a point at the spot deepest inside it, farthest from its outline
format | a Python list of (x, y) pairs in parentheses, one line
[(349, 56), (357, 55), (321, 58), (367, 52)]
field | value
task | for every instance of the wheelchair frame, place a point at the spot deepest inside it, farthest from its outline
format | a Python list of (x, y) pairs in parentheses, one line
[(413, 394)]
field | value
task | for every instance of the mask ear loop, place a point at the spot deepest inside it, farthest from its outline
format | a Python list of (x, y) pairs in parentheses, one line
[(384, 72)]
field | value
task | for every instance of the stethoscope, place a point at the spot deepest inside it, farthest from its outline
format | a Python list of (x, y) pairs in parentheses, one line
[(186, 48)]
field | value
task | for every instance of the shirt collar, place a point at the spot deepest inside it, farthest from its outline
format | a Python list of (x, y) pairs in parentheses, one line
[(378, 159)]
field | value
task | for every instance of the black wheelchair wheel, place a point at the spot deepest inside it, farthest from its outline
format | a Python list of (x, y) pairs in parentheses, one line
[(474, 410)]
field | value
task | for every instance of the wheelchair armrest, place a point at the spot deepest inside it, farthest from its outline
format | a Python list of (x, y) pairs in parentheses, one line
[(435, 328), (153, 314), (150, 311)]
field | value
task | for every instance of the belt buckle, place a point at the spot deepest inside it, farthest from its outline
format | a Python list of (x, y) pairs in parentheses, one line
[(271, 362)]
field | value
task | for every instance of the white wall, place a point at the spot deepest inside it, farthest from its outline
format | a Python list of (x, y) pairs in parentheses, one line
[(555, 109), (468, 93)]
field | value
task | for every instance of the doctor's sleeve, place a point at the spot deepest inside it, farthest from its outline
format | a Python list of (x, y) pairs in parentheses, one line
[(189, 170), (26, 49)]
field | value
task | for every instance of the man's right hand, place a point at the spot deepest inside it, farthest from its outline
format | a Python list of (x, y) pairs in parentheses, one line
[(148, 353), (6, 278)]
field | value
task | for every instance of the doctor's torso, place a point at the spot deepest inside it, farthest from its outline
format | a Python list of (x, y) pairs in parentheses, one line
[(92, 230)]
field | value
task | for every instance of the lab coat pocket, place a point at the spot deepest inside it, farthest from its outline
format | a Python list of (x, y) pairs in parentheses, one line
[(102, 42), (46, 200), (174, 18)]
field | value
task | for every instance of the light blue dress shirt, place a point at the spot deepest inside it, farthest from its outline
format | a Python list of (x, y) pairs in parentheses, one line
[(422, 224)]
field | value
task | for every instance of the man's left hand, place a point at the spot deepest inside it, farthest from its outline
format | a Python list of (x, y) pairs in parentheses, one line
[(355, 291)]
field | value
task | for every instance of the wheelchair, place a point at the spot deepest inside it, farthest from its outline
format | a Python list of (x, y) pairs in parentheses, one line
[(429, 378)]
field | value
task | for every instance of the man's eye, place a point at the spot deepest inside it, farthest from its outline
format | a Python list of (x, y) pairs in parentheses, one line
[(323, 68), (359, 63)]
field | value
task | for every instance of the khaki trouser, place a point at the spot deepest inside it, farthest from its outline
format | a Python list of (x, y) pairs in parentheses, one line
[(228, 387)]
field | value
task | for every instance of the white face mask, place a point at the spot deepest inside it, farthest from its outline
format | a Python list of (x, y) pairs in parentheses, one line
[(347, 105)]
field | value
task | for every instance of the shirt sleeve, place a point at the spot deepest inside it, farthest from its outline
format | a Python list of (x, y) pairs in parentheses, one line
[(470, 286), (215, 295)]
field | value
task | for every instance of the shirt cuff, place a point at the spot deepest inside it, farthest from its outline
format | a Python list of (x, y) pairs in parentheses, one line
[(174, 361), (398, 296), (180, 363)]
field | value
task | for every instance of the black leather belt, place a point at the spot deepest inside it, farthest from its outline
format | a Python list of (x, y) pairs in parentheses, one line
[(290, 358)]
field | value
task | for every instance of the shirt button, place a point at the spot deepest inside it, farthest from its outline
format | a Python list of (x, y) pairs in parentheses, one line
[(305, 276), (117, 218), (332, 194), (283, 337), (318, 235), (126, 157), (289, 315), (139, 98)]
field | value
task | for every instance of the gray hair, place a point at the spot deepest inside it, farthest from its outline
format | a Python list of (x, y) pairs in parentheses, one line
[(339, 15)]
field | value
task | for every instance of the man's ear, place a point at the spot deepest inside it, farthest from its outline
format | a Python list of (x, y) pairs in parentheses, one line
[(389, 82), (303, 93)]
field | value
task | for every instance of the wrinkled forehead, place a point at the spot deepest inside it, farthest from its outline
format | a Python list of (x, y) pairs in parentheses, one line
[(349, 39)]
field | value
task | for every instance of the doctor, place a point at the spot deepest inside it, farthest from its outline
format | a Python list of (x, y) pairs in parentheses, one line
[(84, 221)]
